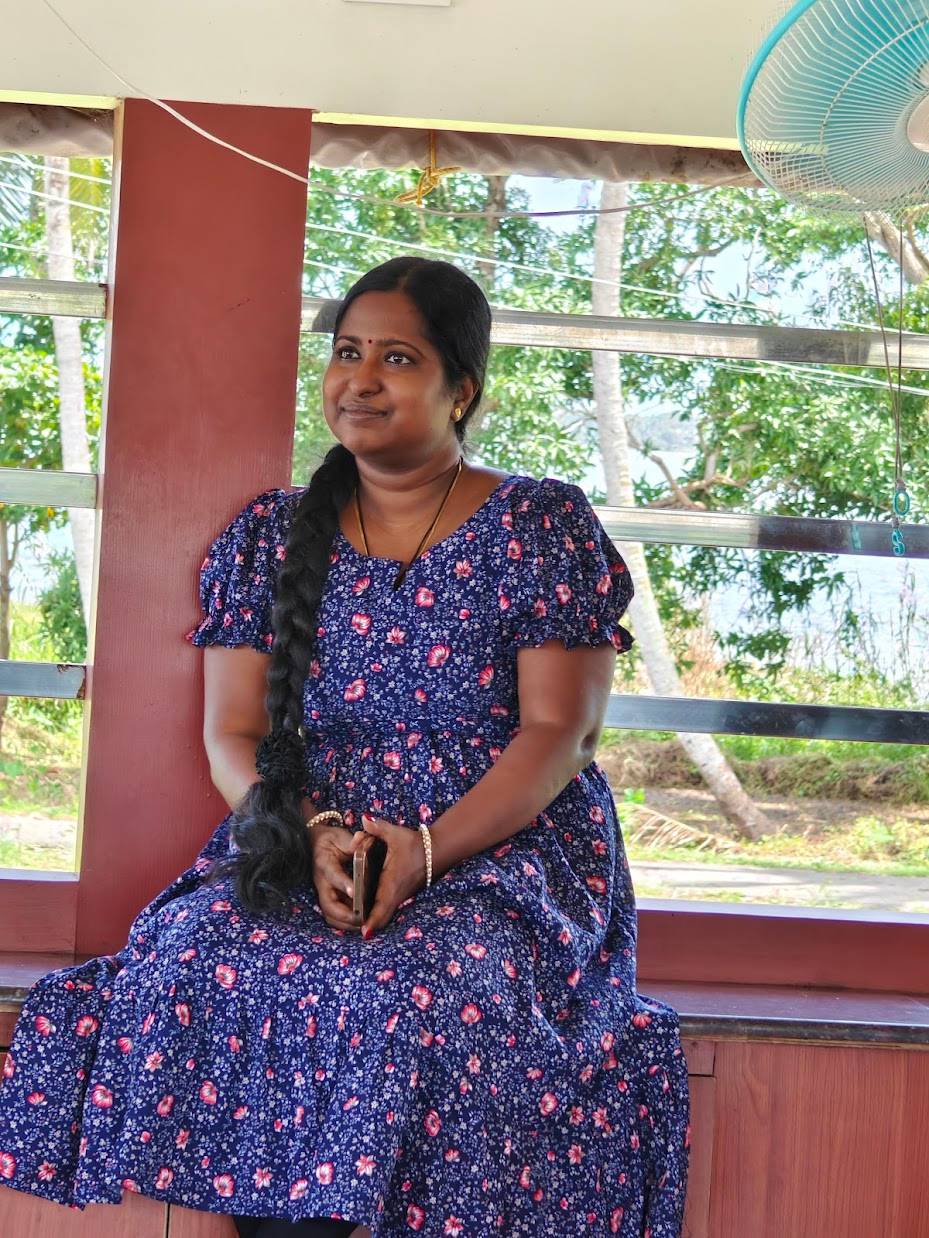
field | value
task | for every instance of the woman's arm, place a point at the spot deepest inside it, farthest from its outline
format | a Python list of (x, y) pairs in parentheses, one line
[(563, 695), (235, 719)]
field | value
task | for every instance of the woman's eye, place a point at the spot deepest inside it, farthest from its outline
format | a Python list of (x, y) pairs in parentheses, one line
[(403, 357)]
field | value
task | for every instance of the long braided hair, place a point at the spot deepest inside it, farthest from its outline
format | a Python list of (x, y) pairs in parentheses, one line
[(268, 827)]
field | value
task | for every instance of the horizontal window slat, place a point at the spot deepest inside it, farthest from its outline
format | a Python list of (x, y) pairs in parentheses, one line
[(44, 488)]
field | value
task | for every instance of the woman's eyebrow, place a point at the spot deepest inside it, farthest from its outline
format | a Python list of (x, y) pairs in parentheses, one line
[(354, 339)]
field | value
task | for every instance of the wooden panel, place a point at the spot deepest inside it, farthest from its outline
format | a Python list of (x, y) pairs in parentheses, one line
[(700, 1174), (186, 1223), (38, 911), (700, 1055), (26, 1216), (783, 945), (820, 1140)]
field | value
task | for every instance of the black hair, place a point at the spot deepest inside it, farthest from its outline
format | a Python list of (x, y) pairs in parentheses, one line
[(267, 825)]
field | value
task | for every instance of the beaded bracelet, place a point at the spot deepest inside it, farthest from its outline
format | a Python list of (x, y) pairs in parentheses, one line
[(427, 843), (328, 815)]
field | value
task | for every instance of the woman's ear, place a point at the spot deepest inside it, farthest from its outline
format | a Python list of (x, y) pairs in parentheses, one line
[(465, 392)]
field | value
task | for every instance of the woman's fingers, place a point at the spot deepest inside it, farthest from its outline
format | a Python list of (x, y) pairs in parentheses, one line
[(336, 912)]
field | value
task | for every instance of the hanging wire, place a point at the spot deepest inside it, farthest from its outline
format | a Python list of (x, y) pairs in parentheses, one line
[(900, 503)]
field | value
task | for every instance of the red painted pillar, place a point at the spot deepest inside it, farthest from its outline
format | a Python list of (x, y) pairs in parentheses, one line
[(205, 282)]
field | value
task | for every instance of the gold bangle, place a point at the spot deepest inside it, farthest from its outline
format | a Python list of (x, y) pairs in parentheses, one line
[(325, 816), (427, 844)]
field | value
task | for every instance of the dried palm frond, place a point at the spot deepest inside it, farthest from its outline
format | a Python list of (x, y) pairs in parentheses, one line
[(654, 830)]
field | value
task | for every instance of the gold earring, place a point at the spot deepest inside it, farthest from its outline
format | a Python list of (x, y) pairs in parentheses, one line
[(457, 414)]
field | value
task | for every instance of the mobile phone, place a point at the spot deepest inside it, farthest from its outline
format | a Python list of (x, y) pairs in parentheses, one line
[(366, 871)]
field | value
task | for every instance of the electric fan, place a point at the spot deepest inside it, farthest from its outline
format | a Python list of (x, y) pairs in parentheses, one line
[(834, 115)]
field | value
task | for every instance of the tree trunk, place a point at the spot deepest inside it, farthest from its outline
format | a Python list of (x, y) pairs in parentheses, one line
[(748, 820), (75, 449)]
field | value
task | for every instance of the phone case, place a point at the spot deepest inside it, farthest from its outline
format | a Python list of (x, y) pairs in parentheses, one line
[(366, 872)]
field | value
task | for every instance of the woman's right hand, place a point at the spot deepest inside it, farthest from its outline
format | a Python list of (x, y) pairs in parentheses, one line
[(333, 848)]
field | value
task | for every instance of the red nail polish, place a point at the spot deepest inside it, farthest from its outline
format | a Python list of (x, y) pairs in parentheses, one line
[(366, 932)]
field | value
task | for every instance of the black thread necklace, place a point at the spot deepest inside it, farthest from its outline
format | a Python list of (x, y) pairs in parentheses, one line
[(401, 575)]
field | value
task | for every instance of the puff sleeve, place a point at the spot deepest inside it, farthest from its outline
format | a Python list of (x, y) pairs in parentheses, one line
[(568, 581), (238, 576)]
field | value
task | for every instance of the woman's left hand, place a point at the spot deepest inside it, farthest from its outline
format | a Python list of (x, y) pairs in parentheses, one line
[(403, 873)]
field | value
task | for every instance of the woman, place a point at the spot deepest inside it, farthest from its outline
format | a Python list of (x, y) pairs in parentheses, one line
[(475, 1060)]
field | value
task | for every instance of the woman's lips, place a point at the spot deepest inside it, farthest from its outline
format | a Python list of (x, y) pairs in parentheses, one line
[(360, 413)]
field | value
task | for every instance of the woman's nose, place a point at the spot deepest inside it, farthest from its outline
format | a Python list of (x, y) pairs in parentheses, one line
[(365, 375)]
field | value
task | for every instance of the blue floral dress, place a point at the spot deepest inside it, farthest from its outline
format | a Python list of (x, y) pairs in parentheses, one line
[(484, 1065)]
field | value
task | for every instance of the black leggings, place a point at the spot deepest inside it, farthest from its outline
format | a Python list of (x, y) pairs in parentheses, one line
[(278, 1227)]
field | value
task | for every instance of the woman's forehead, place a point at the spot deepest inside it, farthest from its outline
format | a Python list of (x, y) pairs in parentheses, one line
[(383, 316)]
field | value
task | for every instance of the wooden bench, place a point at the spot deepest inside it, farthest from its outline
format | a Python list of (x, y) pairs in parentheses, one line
[(810, 1115)]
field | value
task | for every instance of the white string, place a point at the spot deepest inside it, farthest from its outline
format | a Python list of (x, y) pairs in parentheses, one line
[(83, 176), (212, 137), (54, 197), (51, 253)]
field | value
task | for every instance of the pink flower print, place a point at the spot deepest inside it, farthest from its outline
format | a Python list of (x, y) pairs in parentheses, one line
[(574, 978), (475, 950), (563, 593), (424, 597), (524, 1178), (503, 602), (351, 1103), (616, 1219), (433, 1123), (506, 519), (262, 1177), (359, 585), (289, 963), (454, 1226), (436, 765), (224, 1185), (221, 904), (575, 1115), (234, 1044), (36, 1098), (633, 1140), (46, 1171), (164, 1106), (164, 1179), (266, 1028), (315, 669), (355, 690), (422, 996), (597, 884), (86, 1025), (182, 1010), (534, 1072), (299, 1188), (396, 636), (226, 975), (9, 1066), (641, 1019), (598, 847), (391, 759), (425, 813), (364, 1166), (453, 967), (548, 1104), (257, 937), (438, 655), (471, 1013), (181, 1138), (413, 739), (539, 609), (387, 974), (101, 1096), (186, 955), (361, 624), (575, 1154), (564, 936), (43, 1025), (604, 584), (463, 569), (240, 1112), (415, 1217), (452, 1155), (420, 695), (464, 614), (208, 1093), (514, 548), (7, 1165), (325, 1173)]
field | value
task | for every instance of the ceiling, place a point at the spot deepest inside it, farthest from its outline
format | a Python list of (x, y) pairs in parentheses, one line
[(664, 71)]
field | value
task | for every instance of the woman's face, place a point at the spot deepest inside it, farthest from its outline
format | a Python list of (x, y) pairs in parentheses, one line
[(384, 390)]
